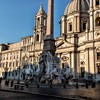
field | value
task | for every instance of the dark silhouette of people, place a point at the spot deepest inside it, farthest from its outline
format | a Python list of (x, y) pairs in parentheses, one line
[(0, 80)]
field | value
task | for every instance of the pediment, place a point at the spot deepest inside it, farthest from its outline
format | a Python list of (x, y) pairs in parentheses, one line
[(64, 44)]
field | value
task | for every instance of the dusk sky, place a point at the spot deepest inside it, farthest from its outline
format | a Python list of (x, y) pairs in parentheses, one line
[(17, 18)]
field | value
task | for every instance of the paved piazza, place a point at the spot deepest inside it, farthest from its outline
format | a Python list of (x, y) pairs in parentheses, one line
[(47, 93), (21, 96), (71, 92)]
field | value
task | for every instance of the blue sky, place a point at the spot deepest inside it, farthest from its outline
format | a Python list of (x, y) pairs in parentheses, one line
[(17, 18)]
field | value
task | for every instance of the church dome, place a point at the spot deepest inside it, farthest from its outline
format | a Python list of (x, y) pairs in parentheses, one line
[(77, 5)]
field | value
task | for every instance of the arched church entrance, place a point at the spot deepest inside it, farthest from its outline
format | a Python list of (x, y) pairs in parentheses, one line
[(82, 72), (82, 69), (98, 68)]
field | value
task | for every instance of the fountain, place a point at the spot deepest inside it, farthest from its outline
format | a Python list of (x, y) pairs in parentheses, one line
[(49, 70)]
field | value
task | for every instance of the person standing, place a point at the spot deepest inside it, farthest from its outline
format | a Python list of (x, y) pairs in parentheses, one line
[(0, 80)]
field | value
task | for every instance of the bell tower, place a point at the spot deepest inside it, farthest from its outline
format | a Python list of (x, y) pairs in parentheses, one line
[(40, 25)]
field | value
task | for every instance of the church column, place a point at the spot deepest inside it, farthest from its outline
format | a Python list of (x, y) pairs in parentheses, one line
[(91, 4), (70, 60), (87, 56), (75, 25), (74, 63), (78, 63), (78, 21), (92, 60), (91, 36), (63, 25)]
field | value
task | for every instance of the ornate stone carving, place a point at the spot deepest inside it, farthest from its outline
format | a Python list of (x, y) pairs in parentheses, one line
[(97, 34), (98, 49), (65, 58), (82, 62)]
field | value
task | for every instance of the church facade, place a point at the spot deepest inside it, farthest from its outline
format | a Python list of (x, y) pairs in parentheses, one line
[(77, 47)]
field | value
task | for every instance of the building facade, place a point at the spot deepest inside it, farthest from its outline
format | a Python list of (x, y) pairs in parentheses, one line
[(78, 45)]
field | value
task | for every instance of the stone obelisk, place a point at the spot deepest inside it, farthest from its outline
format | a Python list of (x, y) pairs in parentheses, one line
[(48, 60), (49, 42), (50, 18)]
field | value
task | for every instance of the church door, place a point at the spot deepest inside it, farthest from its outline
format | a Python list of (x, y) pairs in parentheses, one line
[(82, 72), (98, 69)]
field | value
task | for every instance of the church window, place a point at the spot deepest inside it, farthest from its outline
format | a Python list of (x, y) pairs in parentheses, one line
[(7, 57), (10, 64), (70, 26), (16, 63), (98, 56), (44, 22), (38, 21), (97, 2), (84, 26), (97, 34), (3, 64), (98, 21), (6, 64), (37, 37), (13, 64)]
